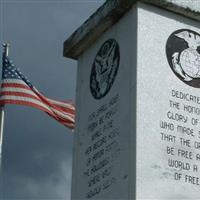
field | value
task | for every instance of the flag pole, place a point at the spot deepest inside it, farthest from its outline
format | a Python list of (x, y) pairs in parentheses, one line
[(2, 110)]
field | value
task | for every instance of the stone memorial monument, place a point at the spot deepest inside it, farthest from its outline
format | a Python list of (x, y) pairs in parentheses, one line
[(137, 130)]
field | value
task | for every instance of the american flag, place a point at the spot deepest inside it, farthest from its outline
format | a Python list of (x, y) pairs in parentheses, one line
[(17, 89)]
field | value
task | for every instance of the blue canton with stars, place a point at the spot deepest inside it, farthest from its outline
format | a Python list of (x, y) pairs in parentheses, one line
[(11, 72)]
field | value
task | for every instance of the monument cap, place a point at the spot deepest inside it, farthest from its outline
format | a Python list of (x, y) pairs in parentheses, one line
[(110, 12)]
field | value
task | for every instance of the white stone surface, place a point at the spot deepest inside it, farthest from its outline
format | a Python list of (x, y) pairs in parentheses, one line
[(155, 82), (113, 179), (135, 159), (192, 4)]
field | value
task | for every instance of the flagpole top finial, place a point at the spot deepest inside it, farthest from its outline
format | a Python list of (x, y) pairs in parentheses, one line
[(5, 44), (6, 47)]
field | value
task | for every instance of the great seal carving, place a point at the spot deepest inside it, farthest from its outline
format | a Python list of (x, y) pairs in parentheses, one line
[(104, 68)]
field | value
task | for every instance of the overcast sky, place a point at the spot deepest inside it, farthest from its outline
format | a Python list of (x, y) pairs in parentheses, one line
[(37, 150)]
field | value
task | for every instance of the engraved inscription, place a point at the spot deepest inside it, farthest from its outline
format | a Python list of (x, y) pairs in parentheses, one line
[(104, 148), (180, 135)]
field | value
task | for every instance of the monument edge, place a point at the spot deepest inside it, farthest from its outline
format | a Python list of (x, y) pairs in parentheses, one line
[(99, 22), (106, 16)]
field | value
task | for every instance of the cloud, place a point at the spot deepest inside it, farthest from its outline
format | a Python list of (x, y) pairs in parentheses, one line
[(37, 150), (56, 186)]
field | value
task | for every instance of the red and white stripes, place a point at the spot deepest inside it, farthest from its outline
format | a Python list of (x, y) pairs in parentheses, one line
[(16, 91)]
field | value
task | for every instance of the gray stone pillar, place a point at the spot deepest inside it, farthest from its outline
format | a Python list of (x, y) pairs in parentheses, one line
[(138, 101)]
